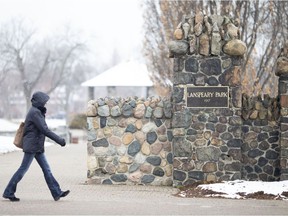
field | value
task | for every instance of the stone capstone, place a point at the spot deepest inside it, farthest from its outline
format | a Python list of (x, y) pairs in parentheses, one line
[(235, 48), (178, 47), (204, 45), (282, 66), (178, 34), (216, 44)]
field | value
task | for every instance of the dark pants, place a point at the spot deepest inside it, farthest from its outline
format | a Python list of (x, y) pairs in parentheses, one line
[(26, 162)]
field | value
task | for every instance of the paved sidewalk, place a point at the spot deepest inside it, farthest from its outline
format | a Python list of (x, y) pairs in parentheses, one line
[(68, 165)]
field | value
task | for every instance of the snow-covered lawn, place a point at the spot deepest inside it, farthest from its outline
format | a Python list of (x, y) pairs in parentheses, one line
[(9, 127), (6, 145)]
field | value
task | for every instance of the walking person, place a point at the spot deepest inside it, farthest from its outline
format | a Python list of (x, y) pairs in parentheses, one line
[(35, 130)]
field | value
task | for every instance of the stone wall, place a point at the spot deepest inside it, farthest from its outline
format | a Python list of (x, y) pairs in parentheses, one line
[(261, 138), (129, 141), (206, 131)]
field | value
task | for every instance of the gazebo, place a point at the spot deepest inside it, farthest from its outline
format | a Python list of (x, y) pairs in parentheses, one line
[(130, 75)]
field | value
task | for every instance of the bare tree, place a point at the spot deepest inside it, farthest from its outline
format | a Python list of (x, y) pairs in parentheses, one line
[(44, 64), (161, 18), (263, 26)]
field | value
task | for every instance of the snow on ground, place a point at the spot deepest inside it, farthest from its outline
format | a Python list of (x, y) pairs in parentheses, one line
[(9, 127), (55, 123), (231, 188), (12, 126), (6, 145)]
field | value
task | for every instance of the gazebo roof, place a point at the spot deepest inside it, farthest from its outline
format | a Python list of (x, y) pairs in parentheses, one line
[(129, 73)]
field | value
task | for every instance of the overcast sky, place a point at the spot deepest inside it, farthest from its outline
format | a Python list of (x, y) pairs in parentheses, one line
[(105, 24)]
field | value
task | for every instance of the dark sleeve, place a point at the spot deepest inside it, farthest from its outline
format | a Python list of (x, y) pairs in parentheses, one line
[(40, 123)]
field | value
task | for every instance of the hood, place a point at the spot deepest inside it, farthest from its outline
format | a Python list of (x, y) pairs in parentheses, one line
[(39, 99)]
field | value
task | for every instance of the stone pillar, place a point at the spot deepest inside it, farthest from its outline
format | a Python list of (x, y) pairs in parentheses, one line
[(206, 100), (282, 72)]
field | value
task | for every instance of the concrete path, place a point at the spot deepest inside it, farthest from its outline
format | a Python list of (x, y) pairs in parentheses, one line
[(68, 165)]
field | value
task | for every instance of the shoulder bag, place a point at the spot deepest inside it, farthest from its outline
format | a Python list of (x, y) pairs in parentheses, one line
[(18, 140)]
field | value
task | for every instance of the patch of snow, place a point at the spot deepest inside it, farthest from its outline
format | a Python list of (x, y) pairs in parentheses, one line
[(55, 123), (232, 188), (6, 145), (8, 126), (12, 126)]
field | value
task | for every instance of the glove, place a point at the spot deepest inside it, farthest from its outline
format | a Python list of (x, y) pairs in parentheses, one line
[(63, 142)]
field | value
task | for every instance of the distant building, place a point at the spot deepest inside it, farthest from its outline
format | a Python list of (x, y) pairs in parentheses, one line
[(129, 78)]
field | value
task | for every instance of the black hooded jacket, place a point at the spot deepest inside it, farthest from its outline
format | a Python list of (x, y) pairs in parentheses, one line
[(35, 128)]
